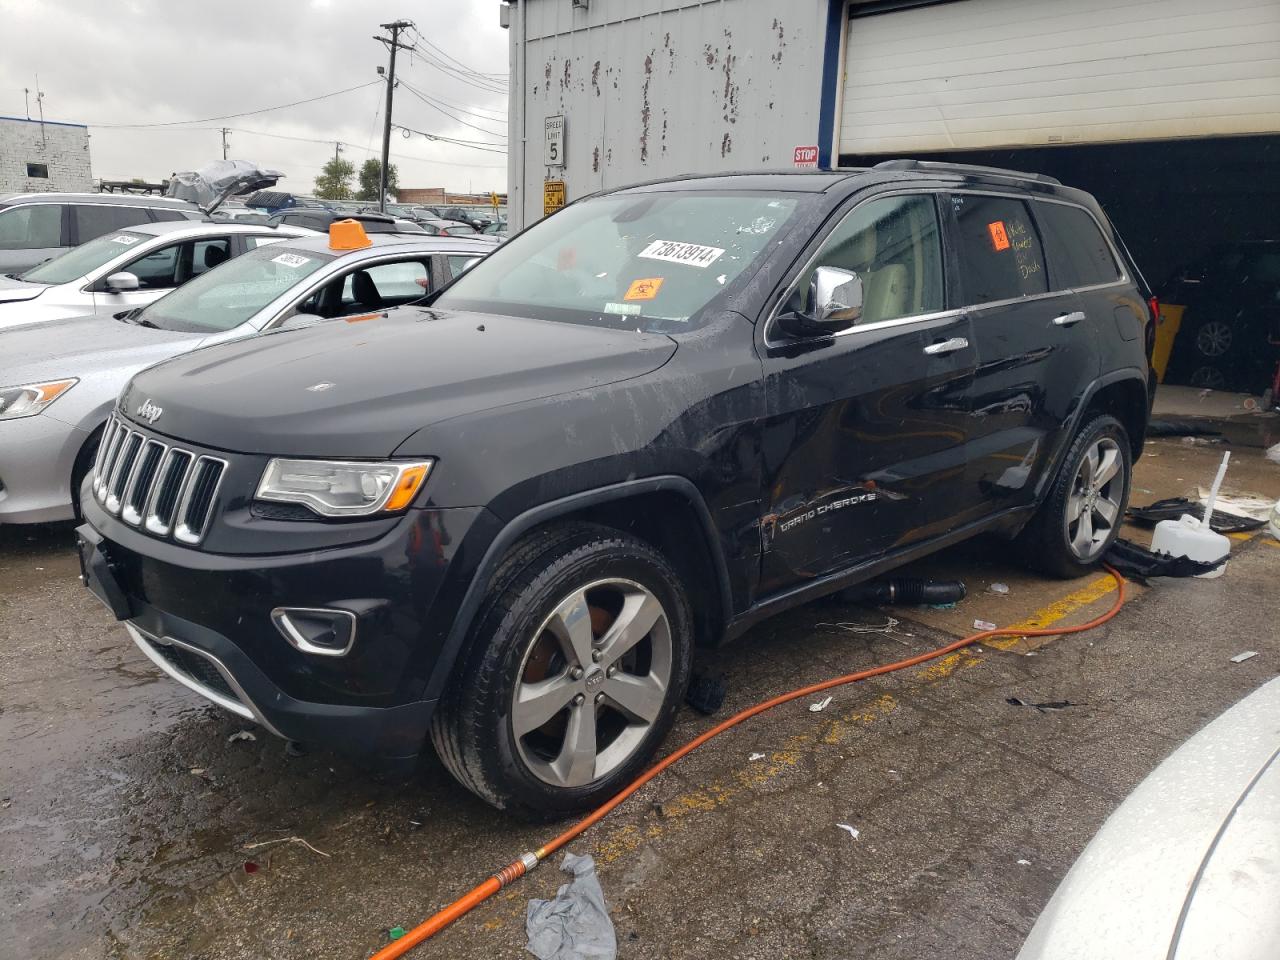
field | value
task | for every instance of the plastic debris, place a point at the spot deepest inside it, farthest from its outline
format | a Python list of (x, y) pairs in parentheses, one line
[(706, 691), (1001, 588), (1024, 863), (1242, 657), (1273, 453), (242, 735), (852, 831), (848, 627), (943, 606), (983, 625), (267, 843), (1043, 707), (1251, 506), (1171, 508), (756, 756), (575, 925), (250, 867), (395, 933), (1138, 563), (820, 705)]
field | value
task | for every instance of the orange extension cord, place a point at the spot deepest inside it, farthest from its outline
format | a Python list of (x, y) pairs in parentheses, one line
[(518, 868)]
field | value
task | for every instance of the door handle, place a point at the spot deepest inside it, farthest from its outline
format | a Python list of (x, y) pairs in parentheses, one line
[(1069, 319), (943, 347)]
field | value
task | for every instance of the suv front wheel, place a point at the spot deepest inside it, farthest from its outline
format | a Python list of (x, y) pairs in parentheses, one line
[(577, 664), (1081, 516)]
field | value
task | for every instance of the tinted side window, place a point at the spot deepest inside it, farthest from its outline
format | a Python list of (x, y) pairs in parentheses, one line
[(893, 244), (155, 271), (157, 214), (1077, 250), (31, 226), (94, 221), (1000, 252)]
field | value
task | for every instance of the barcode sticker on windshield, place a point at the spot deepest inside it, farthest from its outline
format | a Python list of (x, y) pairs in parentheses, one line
[(291, 260), (124, 238), (673, 251)]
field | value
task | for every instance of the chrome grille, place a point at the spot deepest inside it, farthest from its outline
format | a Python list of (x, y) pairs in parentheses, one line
[(164, 489)]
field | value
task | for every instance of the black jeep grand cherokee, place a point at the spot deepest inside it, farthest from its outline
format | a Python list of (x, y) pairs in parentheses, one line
[(503, 518)]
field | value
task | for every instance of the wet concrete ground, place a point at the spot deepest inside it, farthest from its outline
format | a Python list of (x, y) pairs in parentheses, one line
[(125, 810)]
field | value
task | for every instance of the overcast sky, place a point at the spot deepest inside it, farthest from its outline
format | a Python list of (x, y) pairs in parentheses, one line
[(150, 61)]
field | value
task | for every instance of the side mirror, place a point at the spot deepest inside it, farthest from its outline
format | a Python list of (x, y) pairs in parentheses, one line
[(835, 303), (122, 281)]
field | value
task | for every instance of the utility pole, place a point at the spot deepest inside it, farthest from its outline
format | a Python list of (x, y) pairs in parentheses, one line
[(393, 45), (337, 149), (40, 104), (225, 131)]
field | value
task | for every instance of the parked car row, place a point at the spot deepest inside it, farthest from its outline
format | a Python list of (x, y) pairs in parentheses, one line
[(498, 514), (75, 328)]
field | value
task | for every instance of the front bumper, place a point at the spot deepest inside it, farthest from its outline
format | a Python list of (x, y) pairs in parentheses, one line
[(37, 457), (205, 619)]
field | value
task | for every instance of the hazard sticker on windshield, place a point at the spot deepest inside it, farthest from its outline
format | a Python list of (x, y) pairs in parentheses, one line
[(291, 260), (673, 251), (645, 289), (125, 239), (999, 236)]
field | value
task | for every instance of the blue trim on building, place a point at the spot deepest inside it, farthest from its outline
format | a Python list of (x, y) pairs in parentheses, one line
[(51, 123), (830, 81)]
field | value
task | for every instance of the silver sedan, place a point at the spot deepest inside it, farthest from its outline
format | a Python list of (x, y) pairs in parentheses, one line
[(127, 268), (59, 380)]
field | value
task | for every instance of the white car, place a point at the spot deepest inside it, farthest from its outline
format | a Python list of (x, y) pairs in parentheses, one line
[(130, 268)]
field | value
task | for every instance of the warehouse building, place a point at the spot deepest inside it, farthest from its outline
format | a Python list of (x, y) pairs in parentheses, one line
[(40, 156), (1167, 110)]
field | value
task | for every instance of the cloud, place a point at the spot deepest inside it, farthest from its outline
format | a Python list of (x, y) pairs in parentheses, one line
[(147, 61)]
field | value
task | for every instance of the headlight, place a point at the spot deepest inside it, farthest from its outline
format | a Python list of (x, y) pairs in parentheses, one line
[(31, 398), (338, 488)]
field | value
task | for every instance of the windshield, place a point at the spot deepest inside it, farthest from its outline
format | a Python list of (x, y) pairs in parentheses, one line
[(230, 294), (84, 259), (651, 261)]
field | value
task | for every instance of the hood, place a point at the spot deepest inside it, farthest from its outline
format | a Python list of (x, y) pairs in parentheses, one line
[(359, 389), (79, 346), (13, 290)]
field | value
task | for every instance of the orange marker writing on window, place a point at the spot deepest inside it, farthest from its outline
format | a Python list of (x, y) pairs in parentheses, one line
[(999, 238)]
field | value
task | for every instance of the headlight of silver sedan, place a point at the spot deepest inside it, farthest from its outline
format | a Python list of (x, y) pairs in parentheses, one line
[(344, 488), (30, 398)]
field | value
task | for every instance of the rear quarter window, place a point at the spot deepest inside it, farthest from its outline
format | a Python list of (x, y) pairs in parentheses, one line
[(1000, 251), (1078, 253)]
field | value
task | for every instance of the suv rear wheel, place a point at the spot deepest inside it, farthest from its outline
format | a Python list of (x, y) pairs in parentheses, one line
[(1081, 517), (578, 662)]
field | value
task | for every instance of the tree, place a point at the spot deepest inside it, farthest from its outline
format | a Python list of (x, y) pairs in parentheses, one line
[(334, 182), (369, 172)]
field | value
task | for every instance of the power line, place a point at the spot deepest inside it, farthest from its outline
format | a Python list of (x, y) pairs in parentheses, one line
[(472, 144), (231, 116), (440, 101), (435, 106), (447, 57), (368, 150), (479, 81)]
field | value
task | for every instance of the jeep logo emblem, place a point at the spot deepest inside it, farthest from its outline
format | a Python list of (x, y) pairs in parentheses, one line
[(595, 679), (149, 411)]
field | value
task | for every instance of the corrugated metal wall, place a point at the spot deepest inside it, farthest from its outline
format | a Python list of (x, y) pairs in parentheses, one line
[(995, 73), (653, 88)]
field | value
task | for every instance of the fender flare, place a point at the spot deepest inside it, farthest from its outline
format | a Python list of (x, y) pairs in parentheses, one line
[(1107, 379), (546, 512)]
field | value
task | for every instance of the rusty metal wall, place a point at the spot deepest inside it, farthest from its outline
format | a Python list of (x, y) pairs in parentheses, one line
[(654, 88)]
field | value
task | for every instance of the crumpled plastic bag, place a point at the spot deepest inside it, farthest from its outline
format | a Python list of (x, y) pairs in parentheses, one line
[(576, 924)]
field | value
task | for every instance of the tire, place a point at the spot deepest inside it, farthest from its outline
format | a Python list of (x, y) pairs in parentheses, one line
[(83, 464), (1055, 541), (531, 699)]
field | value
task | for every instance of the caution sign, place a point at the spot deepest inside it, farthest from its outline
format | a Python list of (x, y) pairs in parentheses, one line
[(645, 289), (552, 196)]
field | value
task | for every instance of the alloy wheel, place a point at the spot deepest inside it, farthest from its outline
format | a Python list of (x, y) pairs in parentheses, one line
[(1213, 339), (592, 683), (1093, 507)]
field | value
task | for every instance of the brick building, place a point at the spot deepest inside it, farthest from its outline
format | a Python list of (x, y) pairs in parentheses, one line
[(36, 157)]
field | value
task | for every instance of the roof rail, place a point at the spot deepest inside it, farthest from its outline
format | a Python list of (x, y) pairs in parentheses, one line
[(965, 169)]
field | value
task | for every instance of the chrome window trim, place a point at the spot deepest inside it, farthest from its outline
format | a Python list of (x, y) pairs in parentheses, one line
[(243, 708), (1124, 279), (280, 617), (181, 532)]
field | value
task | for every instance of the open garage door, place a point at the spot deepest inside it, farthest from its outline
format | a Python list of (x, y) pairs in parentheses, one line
[(977, 74)]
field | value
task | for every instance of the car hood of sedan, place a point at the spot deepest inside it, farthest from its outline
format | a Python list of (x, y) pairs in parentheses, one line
[(1189, 865), (359, 387), (13, 290), (80, 346)]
